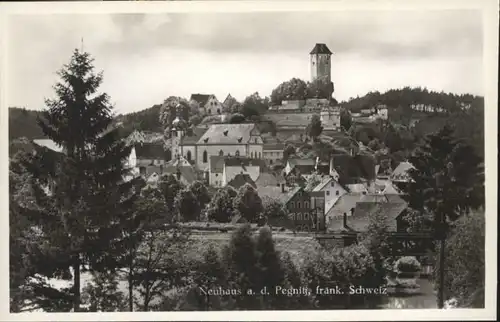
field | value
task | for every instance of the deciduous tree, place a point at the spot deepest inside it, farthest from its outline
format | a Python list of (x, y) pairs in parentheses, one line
[(247, 203), (220, 208), (314, 128)]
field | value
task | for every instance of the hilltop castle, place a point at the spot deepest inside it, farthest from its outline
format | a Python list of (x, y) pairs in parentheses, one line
[(320, 65)]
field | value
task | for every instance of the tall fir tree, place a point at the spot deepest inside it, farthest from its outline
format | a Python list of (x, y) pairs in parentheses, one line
[(83, 211), (446, 181)]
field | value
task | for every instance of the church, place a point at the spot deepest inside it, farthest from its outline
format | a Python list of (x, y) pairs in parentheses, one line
[(236, 140)]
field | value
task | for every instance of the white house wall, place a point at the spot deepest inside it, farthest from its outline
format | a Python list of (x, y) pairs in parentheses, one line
[(331, 197)]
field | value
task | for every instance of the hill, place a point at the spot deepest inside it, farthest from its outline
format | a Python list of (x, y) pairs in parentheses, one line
[(22, 123), (402, 99), (469, 123)]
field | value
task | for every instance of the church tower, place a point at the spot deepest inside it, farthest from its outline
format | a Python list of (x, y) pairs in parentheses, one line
[(177, 132)]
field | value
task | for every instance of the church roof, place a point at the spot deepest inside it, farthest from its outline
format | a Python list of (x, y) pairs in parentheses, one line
[(320, 49), (227, 134), (192, 138)]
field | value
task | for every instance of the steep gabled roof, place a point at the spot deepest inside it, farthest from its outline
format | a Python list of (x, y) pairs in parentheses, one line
[(267, 179), (320, 49), (360, 220), (187, 172), (200, 98), (401, 171), (240, 180)]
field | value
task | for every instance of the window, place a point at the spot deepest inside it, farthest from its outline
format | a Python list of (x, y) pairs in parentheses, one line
[(256, 140), (260, 155), (271, 161), (337, 192), (333, 184), (205, 156), (298, 204), (327, 193), (221, 153), (216, 174), (306, 216), (189, 155), (237, 153), (292, 204), (251, 154), (306, 204)]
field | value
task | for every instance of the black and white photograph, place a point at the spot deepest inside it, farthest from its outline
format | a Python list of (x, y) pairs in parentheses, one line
[(265, 156)]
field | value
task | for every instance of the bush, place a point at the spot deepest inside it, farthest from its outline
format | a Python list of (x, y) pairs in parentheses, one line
[(407, 264)]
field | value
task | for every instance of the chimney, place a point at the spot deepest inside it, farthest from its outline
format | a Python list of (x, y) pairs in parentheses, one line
[(331, 166), (345, 220), (283, 188), (178, 174)]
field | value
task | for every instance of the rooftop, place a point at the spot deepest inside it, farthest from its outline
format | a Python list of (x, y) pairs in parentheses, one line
[(200, 98), (348, 202), (277, 193), (266, 179), (240, 180), (190, 138), (187, 172), (320, 49), (360, 220), (227, 134)]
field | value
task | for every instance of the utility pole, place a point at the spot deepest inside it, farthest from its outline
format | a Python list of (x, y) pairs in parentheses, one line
[(442, 238)]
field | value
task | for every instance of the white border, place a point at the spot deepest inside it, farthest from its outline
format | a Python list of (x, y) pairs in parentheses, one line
[(490, 65)]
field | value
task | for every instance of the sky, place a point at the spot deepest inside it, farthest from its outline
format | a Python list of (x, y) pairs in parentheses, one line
[(146, 58)]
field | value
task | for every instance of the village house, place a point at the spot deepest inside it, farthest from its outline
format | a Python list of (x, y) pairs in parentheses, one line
[(215, 170), (208, 103), (222, 169), (332, 191), (346, 227), (272, 152), (240, 180)]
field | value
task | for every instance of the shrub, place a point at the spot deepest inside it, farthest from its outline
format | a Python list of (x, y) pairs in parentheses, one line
[(407, 264)]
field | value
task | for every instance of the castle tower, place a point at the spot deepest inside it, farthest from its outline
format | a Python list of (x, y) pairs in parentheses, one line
[(321, 69), (320, 60)]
